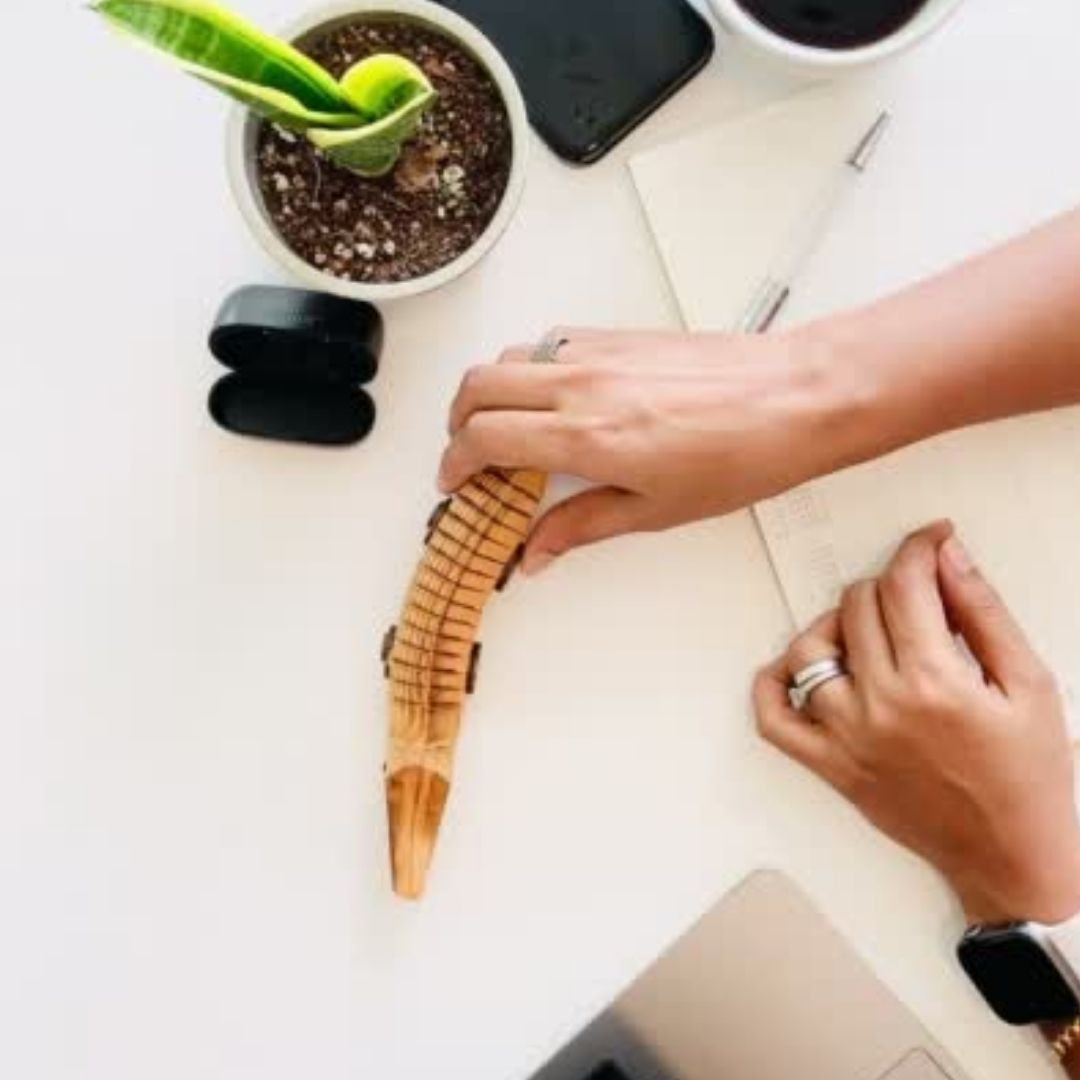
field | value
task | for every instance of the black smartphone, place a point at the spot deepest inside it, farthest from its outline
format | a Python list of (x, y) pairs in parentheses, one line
[(592, 70)]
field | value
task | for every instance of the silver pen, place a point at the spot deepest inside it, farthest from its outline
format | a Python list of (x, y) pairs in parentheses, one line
[(772, 294)]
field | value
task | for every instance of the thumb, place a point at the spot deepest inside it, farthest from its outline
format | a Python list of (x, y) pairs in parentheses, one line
[(584, 519), (980, 615)]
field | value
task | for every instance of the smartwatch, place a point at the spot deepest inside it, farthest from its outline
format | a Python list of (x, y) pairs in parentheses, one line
[(1028, 973)]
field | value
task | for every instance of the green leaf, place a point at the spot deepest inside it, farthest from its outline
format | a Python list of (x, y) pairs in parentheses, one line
[(373, 149), (382, 84), (205, 34), (392, 93), (273, 105)]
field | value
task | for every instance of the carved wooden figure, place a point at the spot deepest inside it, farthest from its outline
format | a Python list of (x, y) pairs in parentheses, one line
[(474, 542)]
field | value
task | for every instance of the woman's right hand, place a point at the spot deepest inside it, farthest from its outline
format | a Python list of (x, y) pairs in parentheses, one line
[(675, 427), (670, 427)]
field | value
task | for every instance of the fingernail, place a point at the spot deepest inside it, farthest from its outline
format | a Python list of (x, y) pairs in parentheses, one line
[(957, 556), (442, 485), (537, 564)]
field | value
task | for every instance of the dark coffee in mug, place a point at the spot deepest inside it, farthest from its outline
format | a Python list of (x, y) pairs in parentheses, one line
[(833, 24)]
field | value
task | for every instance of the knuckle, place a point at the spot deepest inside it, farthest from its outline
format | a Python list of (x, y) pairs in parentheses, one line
[(765, 724), (584, 378), (514, 354), (760, 685), (912, 540), (579, 438), (899, 575), (1039, 680), (928, 691), (472, 381), (593, 434), (809, 649), (470, 437), (984, 596), (466, 436), (927, 696), (922, 544), (981, 595), (853, 595), (927, 674), (883, 714)]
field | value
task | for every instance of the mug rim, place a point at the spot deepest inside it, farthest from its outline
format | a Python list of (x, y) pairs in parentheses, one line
[(929, 18)]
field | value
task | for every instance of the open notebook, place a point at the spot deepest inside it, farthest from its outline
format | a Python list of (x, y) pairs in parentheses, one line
[(721, 203)]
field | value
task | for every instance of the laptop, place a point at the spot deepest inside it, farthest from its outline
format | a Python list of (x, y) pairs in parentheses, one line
[(761, 988)]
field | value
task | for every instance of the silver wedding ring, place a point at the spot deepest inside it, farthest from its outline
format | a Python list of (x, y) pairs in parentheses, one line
[(547, 352), (811, 677)]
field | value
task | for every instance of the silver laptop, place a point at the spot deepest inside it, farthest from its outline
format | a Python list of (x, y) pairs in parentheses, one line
[(761, 988)]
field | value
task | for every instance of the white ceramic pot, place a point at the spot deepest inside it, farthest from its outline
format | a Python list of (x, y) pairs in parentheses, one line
[(807, 60), (243, 133)]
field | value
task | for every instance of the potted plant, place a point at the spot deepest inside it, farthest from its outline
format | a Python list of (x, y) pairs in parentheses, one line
[(378, 149)]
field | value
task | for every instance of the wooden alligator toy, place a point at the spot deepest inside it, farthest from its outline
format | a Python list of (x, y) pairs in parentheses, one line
[(474, 542)]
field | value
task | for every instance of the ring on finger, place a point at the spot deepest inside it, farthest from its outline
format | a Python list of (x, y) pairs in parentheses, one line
[(830, 665), (547, 351), (812, 677)]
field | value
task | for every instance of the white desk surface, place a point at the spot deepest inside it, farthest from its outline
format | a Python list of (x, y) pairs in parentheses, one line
[(194, 879)]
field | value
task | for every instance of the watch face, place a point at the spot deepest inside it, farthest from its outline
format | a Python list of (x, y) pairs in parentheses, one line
[(1017, 978)]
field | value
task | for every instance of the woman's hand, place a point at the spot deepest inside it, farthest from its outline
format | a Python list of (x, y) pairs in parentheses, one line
[(675, 427), (671, 427), (968, 766)]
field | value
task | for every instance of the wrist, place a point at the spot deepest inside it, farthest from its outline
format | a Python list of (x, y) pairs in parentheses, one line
[(872, 398), (1048, 893), (830, 404)]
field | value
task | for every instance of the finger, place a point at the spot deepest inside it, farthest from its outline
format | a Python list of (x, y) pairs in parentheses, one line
[(869, 651), (911, 599), (992, 634), (517, 354), (600, 335), (567, 336), (509, 387), (513, 440), (833, 701), (626, 348), (810, 745), (821, 640), (587, 518), (834, 704)]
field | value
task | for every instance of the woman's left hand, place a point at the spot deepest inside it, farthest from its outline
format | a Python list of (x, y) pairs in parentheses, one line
[(967, 763)]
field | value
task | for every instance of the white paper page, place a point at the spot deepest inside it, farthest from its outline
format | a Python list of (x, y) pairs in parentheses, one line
[(1013, 490), (722, 204), (952, 177)]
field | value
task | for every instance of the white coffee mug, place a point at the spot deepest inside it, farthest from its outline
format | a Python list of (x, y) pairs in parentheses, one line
[(811, 60)]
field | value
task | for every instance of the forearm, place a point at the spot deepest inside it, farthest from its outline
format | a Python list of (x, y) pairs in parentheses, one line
[(996, 336)]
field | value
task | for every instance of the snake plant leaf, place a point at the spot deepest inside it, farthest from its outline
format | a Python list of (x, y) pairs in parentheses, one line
[(273, 105), (395, 93), (203, 33), (380, 85), (373, 150)]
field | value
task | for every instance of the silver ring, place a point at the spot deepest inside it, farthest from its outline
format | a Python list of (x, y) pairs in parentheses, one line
[(810, 678), (811, 671), (547, 352)]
